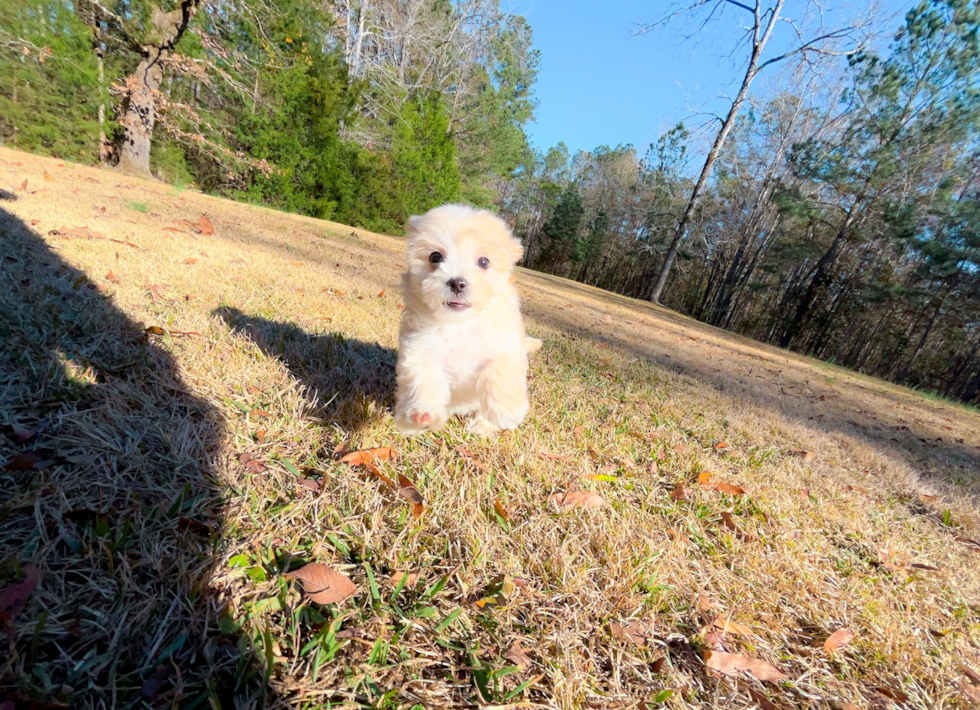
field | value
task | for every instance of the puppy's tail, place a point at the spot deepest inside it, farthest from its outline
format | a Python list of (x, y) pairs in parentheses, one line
[(532, 345)]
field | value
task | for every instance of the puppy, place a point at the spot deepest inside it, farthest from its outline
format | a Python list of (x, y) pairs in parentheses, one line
[(461, 347)]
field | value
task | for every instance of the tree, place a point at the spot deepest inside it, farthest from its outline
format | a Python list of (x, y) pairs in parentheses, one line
[(764, 18), (902, 110)]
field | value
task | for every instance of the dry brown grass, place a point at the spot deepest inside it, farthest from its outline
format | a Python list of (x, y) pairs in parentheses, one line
[(162, 523)]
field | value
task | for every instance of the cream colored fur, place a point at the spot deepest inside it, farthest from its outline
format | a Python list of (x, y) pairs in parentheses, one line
[(466, 352)]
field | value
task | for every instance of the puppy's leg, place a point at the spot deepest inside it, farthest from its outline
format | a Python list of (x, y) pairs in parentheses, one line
[(423, 397), (502, 389)]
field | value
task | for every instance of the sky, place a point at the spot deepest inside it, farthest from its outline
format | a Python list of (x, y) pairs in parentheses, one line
[(600, 85)]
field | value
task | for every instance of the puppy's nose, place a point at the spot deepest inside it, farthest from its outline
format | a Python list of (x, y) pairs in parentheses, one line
[(457, 285)]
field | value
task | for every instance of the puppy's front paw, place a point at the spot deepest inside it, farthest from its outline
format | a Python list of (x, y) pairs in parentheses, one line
[(481, 426), (419, 419)]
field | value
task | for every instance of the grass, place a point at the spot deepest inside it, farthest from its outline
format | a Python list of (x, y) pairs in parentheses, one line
[(176, 477)]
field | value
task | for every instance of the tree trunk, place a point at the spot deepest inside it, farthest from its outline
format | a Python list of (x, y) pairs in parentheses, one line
[(134, 157), (166, 30), (758, 45), (820, 275), (904, 374)]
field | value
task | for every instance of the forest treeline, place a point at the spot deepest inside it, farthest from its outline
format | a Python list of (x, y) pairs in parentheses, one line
[(841, 219)]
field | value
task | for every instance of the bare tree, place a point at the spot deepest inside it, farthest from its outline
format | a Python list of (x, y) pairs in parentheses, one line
[(764, 18)]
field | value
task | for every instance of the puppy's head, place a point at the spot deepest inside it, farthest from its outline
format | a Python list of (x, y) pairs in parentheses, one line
[(459, 258)]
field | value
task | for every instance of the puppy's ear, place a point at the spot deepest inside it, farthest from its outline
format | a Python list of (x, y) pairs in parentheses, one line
[(514, 249), (414, 225)]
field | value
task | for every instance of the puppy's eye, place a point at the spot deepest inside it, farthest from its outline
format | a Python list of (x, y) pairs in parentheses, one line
[(483, 262), (435, 257)]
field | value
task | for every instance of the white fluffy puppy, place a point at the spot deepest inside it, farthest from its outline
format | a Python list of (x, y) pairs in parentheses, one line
[(461, 347)]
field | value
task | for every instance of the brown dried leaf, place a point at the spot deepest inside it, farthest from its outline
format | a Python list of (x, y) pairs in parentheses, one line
[(408, 491), (721, 445), (469, 456), (14, 597), (554, 457), (367, 456), (381, 294), (260, 436), (681, 492), (837, 640), (803, 454), (761, 700), (113, 278), (323, 584), (47, 177), (205, 227), (720, 663), (26, 461), (517, 656), (23, 186), (498, 506), (190, 260), (410, 578), (973, 544), (578, 499), (155, 330), (729, 522), (635, 633), (726, 626)]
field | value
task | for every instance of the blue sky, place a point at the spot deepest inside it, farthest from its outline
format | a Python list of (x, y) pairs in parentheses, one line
[(600, 85)]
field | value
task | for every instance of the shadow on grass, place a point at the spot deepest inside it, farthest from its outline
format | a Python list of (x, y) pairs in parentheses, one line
[(351, 379), (109, 499)]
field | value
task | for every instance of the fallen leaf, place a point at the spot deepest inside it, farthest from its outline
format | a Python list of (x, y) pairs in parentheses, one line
[(35, 222), (681, 492), (971, 686), (295, 263), (554, 457), (928, 498), (893, 693), (154, 330), (500, 510), (190, 260), (762, 701), (516, 655), (323, 584), (706, 603), (967, 541), (677, 535), (803, 454), (635, 633), (410, 578), (309, 483), (23, 186), (732, 664), (113, 278), (468, 455), (726, 626), (721, 445), (578, 499), (837, 640), (26, 461), (14, 597), (679, 449), (919, 565), (366, 456), (729, 522), (205, 226), (260, 436), (408, 491), (381, 295), (47, 177), (859, 489), (251, 463)]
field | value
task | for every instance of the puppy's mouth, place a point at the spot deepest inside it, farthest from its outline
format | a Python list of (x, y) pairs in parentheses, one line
[(457, 305)]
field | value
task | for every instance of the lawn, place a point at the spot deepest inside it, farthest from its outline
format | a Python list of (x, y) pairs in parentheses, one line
[(746, 527)]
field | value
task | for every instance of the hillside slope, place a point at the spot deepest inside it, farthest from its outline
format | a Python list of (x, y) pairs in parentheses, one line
[(161, 483)]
